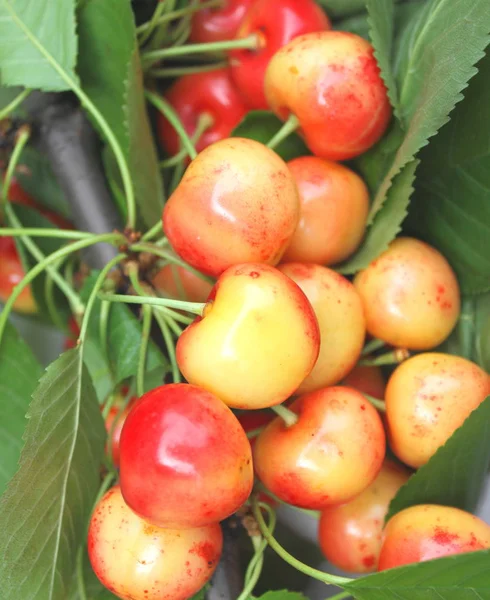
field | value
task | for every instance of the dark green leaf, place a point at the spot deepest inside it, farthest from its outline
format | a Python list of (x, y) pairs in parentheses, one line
[(438, 59), (36, 38), (262, 125), (342, 8), (456, 473), (19, 374), (44, 512), (357, 24), (387, 222), (460, 577), (110, 71), (282, 595), (482, 331), (451, 207), (381, 22)]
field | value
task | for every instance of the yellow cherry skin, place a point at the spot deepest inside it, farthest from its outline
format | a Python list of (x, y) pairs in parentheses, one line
[(340, 315), (410, 295), (256, 341), (427, 398), (138, 561), (429, 531), (334, 204), (350, 534), (237, 202)]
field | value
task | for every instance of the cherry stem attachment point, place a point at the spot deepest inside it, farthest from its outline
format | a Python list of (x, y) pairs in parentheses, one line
[(372, 346), (394, 357), (288, 416), (376, 402), (192, 307), (288, 127)]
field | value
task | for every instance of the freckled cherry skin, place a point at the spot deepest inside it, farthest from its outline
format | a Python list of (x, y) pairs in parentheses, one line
[(350, 534), (12, 273), (340, 315), (410, 295), (236, 203), (368, 380), (331, 82), (138, 561), (277, 23), (185, 460), (257, 341), (192, 95), (330, 455), (334, 204), (427, 398), (429, 531), (218, 23), (173, 281)]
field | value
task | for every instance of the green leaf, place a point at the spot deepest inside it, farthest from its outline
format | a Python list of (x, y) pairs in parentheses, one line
[(342, 8), (451, 207), (19, 374), (261, 125), (456, 473), (44, 512), (93, 587), (436, 63), (460, 577), (36, 38), (381, 21), (482, 329), (387, 222), (110, 72), (282, 595)]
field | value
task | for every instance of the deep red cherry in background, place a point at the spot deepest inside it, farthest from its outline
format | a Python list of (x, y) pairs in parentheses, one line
[(277, 23), (218, 23), (185, 460), (12, 273), (212, 93)]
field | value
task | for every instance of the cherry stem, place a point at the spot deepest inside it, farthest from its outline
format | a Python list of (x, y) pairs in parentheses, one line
[(11, 106), (204, 122), (327, 578), (288, 127), (255, 432), (192, 307), (372, 346), (250, 42), (376, 402), (395, 357), (176, 14), (167, 338), (41, 232), (143, 355), (340, 596), (180, 71), (151, 25), (288, 416)]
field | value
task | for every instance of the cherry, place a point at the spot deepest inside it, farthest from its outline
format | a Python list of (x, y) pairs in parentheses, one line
[(333, 452), (277, 23), (138, 561), (428, 531), (11, 273), (114, 423), (176, 472), (331, 82), (237, 202), (410, 295), (173, 281), (218, 23), (340, 315), (211, 93), (334, 204), (256, 342), (350, 534), (368, 380), (429, 396)]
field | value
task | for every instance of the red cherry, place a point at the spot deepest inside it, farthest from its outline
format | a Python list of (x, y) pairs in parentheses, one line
[(12, 273), (218, 23), (185, 460), (368, 380), (212, 93), (277, 23), (116, 417)]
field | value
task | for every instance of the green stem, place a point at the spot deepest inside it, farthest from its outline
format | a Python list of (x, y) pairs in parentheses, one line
[(169, 113), (152, 23), (176, 316), (169, 343), (176, 14), (153, 232), (288, 127), (171, 72), (82, 592), (105, 309), (192, 307), (372, 346), (288, 416), (161, 34), (340, 596), (20, 143), (255, 432), (54, 314), (289, 558), (251, 42), (204, 122), (145, 336), (40, 232), (394, 357), (7, 110), (376, 402)]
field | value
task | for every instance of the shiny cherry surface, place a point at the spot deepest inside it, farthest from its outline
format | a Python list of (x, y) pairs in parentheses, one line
[(277, 23), (330, 455), (425, 532), (218, 23), (192, 95), (176, 471), (138, 561)]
